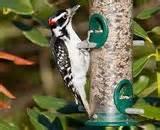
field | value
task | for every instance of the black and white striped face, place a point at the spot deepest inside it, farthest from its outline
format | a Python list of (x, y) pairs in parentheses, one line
[(62, 18)]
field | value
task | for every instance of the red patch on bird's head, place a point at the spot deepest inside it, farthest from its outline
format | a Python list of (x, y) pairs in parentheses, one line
[(52, 22)]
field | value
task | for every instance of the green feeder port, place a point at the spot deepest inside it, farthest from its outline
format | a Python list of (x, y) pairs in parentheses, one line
[(123, 100), (123, 96), (98, 30)]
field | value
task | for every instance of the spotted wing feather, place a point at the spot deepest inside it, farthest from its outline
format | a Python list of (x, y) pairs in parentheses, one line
[(59, 50)]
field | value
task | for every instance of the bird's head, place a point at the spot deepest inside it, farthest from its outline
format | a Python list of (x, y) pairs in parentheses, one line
[(62, 18)]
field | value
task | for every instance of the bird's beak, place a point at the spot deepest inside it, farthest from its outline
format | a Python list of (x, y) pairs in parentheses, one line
[(73, 9)]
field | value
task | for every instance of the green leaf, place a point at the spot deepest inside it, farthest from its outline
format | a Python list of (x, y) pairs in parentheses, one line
[(148, 13), (137, 51), (18, 6), (139, 64), (140, 2), (139, 31), (148, 127), (50, 115), (156, 30), (57, 125), (7, 126), (158, 82), (77, 119), (8, 31), (141, 84), (158, 68), (149, 90), (54, 104), (36, 37), (47, 102), (150, 111), (42, 10), (158, 55), (46, 120), (22, 26), (34, 116)]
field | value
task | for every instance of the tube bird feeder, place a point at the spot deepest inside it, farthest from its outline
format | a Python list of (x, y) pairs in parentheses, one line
[(111, 95)]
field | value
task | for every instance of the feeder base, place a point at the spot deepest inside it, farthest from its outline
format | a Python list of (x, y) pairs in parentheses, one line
[(113, 119)]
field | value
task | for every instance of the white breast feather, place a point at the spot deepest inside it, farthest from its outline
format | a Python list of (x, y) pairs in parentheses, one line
[(79, 60)]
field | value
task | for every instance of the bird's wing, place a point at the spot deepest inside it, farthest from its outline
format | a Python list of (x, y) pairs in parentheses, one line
[(59, 50)]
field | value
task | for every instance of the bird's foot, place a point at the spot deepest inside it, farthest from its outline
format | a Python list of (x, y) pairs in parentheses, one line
[(81, 108), (86, 45)]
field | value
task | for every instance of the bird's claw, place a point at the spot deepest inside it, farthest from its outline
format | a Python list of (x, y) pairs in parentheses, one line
[(81, 108)]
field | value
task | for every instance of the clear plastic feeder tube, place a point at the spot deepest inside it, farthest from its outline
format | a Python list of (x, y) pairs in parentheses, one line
[(113, 62)]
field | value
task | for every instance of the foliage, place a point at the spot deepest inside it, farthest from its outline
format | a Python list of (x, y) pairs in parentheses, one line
[(148, 13), (21, 7), (7, 126), (150, 111), (139, 31), (145, 83), (30, 19), (15, 59), (32, 12), (18, 61), (55, 114), (139, 64)]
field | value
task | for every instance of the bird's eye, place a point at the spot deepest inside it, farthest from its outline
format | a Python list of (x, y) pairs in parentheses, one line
[(65, 16)]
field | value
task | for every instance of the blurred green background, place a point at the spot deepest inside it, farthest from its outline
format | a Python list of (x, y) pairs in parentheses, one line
[(24, 32)]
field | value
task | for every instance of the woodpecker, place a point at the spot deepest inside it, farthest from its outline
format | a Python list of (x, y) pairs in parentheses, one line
[(72, 62)]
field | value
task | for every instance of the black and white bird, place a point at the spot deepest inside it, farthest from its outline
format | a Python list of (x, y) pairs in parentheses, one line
[(72, 62)]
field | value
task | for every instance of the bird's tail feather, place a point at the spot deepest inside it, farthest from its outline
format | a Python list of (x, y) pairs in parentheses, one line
[(85, 104)]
